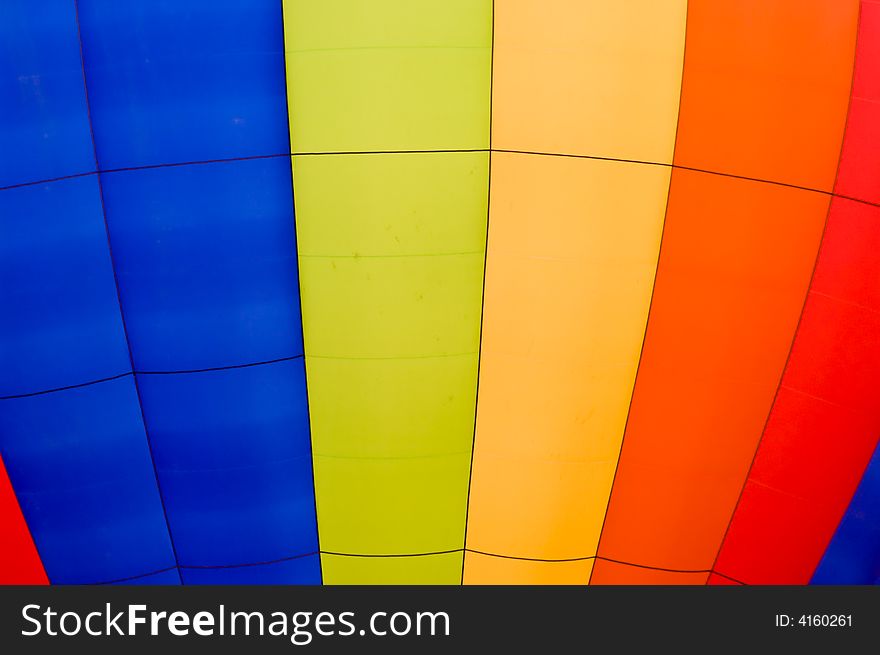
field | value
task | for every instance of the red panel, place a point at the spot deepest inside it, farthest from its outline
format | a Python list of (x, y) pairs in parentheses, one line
[(825, 422), (715, 579), (789, 510), (860, 163), (19, 562), (849, 267)]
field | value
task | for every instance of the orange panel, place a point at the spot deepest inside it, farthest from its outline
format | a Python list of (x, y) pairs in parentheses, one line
[(605, 572), (734, 267), (766, 87), (488, 569), (588, 77), (572, 255)]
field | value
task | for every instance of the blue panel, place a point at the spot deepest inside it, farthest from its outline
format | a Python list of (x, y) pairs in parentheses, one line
[(853, 556), (81, 469), (300, 571), (59, 314), (206, 259), (44, 127), (184, 80), (233, 454), (170, 577)]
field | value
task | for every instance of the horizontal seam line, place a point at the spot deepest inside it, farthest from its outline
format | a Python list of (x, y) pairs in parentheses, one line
[(145, 167), (727, 577), (66, 388), (368, 458), (248, 564), (370, 555), (425, 554), (844, 301), (441, 151), (134, 577), (652, 568), (392, 358), (122, 375), (530, 559), (400, 256), (49, 180), (222, 368), (385, 47)]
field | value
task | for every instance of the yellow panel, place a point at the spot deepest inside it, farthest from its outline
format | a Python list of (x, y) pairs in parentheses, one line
[(591, 77), (482, 569), (573, 247), (444, 569)]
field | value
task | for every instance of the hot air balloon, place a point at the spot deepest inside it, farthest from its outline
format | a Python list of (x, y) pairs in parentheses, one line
[(440, 292)]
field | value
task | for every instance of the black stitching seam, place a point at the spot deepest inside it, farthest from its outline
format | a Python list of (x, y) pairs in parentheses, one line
[(467, 506), (803, 307), (426, 554), (536, 153), (119, 295)]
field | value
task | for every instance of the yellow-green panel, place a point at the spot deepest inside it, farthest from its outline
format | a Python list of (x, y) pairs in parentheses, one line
[(407, 306), (396, 408), (368, 75), (391, 253), (388, 505), (391, 205), (427, 569)]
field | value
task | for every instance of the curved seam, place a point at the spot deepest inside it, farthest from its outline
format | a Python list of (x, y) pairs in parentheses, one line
[(302, 335), (797, 328), (249, 564), (119, 299), (467, 506), (673, 166), (127, 373), (532, 559), (651, 301), (406, 555), (134, 577)]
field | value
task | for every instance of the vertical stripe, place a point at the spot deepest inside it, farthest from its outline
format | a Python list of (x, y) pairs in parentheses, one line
[(766, 87), (206, 260), (573, 247), (825, 420), (77, 459), (391, 252), (44, 127), (19, 561), (859, 175), (765, 91), (588, 77)]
